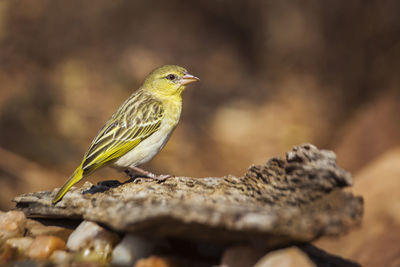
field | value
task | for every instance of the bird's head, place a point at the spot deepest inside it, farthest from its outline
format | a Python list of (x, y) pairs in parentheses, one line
[(168, 80)]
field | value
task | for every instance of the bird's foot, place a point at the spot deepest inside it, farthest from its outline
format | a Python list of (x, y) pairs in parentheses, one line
[(160, 177), (135, 172), (131, 174)]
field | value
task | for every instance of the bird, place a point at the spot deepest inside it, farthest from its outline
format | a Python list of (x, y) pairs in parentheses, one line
[(139, 129)]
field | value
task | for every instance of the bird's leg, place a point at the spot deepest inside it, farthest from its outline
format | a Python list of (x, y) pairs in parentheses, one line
[(131, 174), (148, 174)]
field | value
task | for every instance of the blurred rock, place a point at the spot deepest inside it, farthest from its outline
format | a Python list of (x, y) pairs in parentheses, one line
[(21, 244), (287, 257), (61, 258), (321, 258), (296, 199), (155, 261), (35, 228), (43, 246), (379, 184), (370, 133), (12, 224), (302, 255), (92, 242), (7, 254), (87, 264), (130, 249), (244, 132), (241, 256)]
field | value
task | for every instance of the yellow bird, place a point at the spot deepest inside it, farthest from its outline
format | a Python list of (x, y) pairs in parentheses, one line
[(139, 129)]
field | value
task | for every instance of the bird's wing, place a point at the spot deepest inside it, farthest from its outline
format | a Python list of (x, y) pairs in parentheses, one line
[(131, 124)]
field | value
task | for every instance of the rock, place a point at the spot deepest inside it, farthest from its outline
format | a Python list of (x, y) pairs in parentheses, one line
[(92, 242), (88, 264), (130, 249), (43, 246), (12, 224), (18, 246), (61, 258), (7, 254), (296, 199), (304, 255), (370, 132), (154, 261), (322, 258), (379, 183), (35, 228), (287, 257)]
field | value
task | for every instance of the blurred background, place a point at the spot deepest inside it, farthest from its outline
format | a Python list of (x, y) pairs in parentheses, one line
[(274, 74)]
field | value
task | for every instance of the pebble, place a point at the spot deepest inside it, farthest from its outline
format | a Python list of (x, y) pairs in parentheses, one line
[(154, 261), (61, 258), (288, 257), (43, 246), (92, 242), (35, 228), (12, 224), (21, 244), (130, 249)]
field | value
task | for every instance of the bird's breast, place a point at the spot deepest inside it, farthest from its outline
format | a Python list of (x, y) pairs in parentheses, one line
[(150, 146)]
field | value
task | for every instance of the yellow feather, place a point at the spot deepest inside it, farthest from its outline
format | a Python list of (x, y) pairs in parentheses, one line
[(76, 177)]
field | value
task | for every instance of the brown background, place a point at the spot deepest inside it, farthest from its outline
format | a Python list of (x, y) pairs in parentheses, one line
[(274, 74)]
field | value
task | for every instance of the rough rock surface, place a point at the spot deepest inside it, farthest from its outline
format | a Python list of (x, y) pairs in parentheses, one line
[(296, 199)]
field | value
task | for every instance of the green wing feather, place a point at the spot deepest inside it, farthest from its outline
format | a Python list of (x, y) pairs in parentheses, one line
[(138, 118)]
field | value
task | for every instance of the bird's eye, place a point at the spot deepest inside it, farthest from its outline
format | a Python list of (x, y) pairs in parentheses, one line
[(171, 77)]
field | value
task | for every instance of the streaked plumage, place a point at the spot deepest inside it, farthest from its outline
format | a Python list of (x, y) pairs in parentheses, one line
[(140, 128)]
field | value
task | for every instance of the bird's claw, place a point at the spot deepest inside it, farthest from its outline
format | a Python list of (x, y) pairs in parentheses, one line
[(133, 174), (160, 178)]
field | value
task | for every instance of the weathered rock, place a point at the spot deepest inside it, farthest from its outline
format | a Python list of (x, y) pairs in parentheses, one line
[(92, 242), (379, 183), (12, 224), (43, 246), (296, 199)]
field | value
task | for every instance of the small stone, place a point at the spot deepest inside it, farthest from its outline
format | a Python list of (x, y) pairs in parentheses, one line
[(19, 245), (130, 249), (61, 257), (43, 246), (92, 242), (35, 228), (87, 264), (154, 261), (288, 257), (12, 224), (7, 254)]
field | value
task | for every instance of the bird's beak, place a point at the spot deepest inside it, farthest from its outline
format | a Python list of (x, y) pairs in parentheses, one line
[(188, 78)]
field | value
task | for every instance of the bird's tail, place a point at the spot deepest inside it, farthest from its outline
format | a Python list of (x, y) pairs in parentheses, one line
[(75, 177)]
